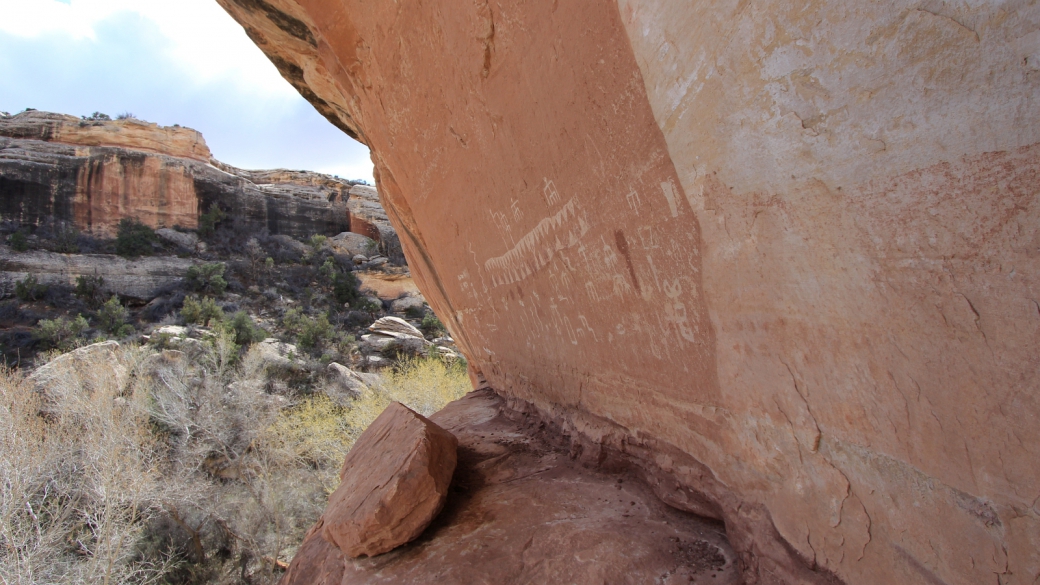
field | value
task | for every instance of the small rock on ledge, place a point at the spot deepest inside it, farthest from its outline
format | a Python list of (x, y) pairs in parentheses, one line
[(394, 482)]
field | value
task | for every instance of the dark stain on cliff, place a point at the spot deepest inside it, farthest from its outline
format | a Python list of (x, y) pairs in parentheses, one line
[(293, 73), (289, 24), (622, 246)]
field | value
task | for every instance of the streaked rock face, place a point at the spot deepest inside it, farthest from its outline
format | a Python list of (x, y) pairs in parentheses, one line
[(140, 278), (795, 242), (95, 173)]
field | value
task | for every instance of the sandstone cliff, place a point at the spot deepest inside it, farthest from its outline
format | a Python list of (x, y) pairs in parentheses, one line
[(785, 255), (94, 173)]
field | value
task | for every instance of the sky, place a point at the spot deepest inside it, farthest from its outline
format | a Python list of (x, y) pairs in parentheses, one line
[(171, 62)]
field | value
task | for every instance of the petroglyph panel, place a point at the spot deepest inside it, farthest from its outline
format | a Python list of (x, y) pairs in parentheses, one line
[(537, 248)]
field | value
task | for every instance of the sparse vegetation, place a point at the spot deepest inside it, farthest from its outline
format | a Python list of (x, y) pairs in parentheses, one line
[(66, 239), (432, 326), (175, 468), (113, 318), (203, 311), (208, 221), (346, 289), (310, 332), (207, 278), (90, 289), (244, 329), (97, 117), (60, 333), (29, 289), (18, 241), (134, 238)]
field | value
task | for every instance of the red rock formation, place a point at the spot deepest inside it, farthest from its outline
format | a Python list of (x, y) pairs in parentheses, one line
[(523, 511), (795, 244), (94, 173), (394, 481)]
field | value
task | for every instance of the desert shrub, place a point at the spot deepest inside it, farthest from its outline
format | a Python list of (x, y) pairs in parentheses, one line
[(316, 431), (134, 238), (207, 278), (256, 255), (97, 117), (201, 312), (18, 241), (79, 484), (29, 288), (244, 329), (310, 332), (431, 325), (415, 312), (425, 385), (346, 288), (126, 116), (60, 333), (90, 289), (66, 239), (208, 221), (113, 318), (317, 241)]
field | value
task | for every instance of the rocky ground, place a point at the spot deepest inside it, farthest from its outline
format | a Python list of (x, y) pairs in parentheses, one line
[(522, 510)]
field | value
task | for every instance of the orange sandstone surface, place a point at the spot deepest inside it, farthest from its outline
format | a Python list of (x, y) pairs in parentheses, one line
[(784, 254)]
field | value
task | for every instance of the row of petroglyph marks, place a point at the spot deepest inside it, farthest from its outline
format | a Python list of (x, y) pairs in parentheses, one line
[(593, 275)]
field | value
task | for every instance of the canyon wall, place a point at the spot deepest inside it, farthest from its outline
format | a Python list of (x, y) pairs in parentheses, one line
[(94, 173), (785, 253)]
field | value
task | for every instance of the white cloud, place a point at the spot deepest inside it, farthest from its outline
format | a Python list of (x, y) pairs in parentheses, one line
[(168, 61), (200, 37)]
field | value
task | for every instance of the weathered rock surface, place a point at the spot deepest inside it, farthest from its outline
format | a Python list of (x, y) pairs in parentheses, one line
[(367, 217), (793, 243), (394, 327), (522, 510), (94, 173), (345, 379), (80, 370), (393, 483), (186, 240), (276, 354), (141, 278), (387, 287), (351, 244)]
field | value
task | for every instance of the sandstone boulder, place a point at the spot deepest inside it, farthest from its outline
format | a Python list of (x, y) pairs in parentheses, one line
[(407, 347), (81, 370), (406, 302), (185, 240), (275, 354), (345, 379), (523, 511), (394, 482), (352, 245), (395, 327)]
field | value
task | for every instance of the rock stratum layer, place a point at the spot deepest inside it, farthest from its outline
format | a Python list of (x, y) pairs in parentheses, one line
[(789, 250), (94, 173)]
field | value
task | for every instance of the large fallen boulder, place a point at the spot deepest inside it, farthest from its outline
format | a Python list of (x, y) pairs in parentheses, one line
[(523, 510), (394, 482)]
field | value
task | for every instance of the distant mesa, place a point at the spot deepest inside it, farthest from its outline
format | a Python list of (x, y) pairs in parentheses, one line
[(93, 172)]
